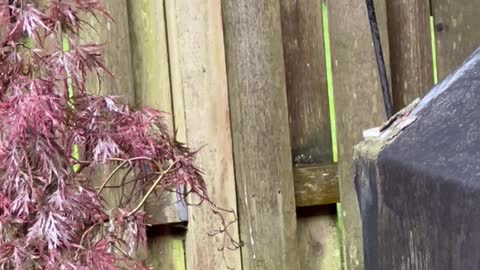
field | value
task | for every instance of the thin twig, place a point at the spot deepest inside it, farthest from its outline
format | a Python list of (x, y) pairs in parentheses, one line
[(111, 175), (125, 161), (155, 184), (89, 230)]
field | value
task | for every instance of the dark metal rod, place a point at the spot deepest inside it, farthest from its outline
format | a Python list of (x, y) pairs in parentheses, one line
[(382, 72)]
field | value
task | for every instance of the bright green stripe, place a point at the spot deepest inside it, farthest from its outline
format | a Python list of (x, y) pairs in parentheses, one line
[(434, 50), (328, 62), (178, 255), (66, 47), (333, 127)]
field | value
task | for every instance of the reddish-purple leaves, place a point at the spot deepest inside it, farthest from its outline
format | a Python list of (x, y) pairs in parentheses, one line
[(53, 141)]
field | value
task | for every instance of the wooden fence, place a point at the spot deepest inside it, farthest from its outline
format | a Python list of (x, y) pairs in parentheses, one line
[(261, 83)]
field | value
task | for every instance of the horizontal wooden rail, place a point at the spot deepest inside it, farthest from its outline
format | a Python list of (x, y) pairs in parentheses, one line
[(315, 184)]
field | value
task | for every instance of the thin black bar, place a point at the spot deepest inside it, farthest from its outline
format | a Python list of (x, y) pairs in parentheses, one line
[(382, 72)]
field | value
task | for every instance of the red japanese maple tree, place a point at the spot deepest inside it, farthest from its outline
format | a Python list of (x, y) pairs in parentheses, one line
[(55, 137)]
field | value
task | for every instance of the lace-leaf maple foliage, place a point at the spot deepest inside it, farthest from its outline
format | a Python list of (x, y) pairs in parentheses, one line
[(54, 137)]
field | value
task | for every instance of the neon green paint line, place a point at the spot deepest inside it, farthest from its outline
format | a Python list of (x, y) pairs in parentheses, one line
[(328, 63), (178, 255), (434, 50), (333, 126), (66, 48)]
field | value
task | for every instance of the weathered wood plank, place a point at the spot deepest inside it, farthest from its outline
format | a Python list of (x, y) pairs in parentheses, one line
[(318, 245), (410, 50), (316, 185), (306, 79), (152, 83), (261, 140), (117, 58), (117, 52), (358, 102), (310, 133), (150, 55), (203, 91), (175, 70), (457, 36)]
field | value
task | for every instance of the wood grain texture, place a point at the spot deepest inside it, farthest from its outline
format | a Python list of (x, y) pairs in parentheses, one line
[(358, 102), (316, 185), (410, 50), (307, 93), (261, 139), (309, 119), (116, 53), (203, 92), (318, 245), (456, 30), (150, 54), (152, 82), (174, 57)]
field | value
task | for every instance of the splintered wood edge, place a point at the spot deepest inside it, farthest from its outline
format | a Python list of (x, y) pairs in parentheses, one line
[(315, 184)]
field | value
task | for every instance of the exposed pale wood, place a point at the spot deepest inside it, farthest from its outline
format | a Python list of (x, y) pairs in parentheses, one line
[(358, 102), (166, 249), (318, 245), (306, 81), (201, 84), (457, 35), (410, 50), (316, 185), (152, 82), (263, 164), (175, 70)]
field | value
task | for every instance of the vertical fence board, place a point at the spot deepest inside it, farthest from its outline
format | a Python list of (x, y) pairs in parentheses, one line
[(150, 54), (175, 70), (457, 35), (309, 120), (116, 54), (358, 102), (117, 58), (318, 246), (410, 50), (259, 114), (204, 93), (152, 84), (306, 81)]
